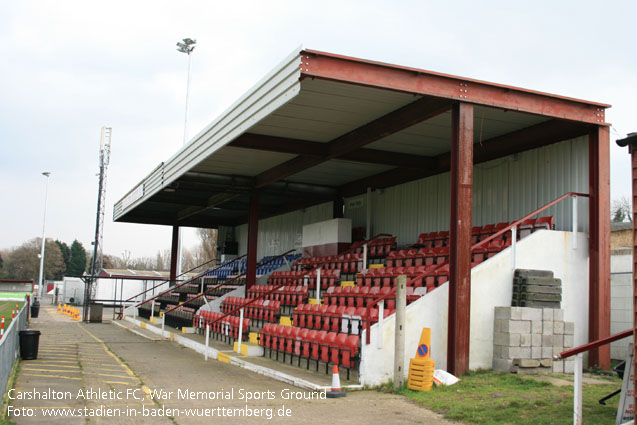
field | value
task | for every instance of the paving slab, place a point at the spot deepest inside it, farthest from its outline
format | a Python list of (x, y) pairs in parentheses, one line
[(177, 385)]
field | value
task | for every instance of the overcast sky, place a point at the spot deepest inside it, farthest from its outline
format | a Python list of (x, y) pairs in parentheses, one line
[(69, 67)]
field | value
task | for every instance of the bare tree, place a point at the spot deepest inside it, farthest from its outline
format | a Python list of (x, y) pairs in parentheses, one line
[(208, 238), (621, 210), (24, 263)]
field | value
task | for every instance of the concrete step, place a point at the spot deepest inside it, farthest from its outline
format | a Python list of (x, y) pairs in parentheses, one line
[(537, 289), (542, 281), (524, 273)]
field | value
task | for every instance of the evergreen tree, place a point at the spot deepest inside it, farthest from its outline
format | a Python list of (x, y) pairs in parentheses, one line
[(66, 254), (77, 260)]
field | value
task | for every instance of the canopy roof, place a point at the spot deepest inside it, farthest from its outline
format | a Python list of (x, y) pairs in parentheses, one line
[(322, 126)]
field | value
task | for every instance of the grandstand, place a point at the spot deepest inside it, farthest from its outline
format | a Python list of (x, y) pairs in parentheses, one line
[(336, 175)]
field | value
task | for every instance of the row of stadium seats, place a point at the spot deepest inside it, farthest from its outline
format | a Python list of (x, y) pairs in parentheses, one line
[(328, 347), (418, 257), (362, 296), (439, 255), (260, 310), (346, 263), (347, 320), (179, 317), (379, 247), (268, 263), (478, 233), (291, 295), (428, 276), (195, 302), (328, 278), (226, 328)]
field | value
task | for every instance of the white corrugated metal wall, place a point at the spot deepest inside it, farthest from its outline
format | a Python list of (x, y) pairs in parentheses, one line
[(284, 232), (505, 189)]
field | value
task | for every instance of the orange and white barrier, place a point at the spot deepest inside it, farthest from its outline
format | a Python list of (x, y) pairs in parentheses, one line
[(336, 390), (2, 327)]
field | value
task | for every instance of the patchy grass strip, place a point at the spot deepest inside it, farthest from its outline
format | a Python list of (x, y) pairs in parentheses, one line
[(488, 397)]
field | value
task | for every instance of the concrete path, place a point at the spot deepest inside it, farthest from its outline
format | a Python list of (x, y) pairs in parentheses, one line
[(120, 370)]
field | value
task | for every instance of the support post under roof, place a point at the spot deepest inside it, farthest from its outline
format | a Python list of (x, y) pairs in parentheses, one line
[(174, 252), (253, 232), (599, 245), (460, 238)]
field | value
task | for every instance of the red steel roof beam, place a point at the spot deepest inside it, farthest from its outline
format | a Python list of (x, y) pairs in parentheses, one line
[(405, 117), (411, 80)]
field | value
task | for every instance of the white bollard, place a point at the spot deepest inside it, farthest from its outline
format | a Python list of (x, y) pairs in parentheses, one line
[(318, 286), (240, 330), (514, 240), (577, 393), (207, 339), (379, 329), (163, 321), (364, 257)]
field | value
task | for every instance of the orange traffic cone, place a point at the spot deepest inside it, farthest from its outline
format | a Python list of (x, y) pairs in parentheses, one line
[(336, 385)]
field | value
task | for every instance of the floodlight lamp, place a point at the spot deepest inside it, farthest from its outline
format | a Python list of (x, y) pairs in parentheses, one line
[(189, 41), (46, 173)]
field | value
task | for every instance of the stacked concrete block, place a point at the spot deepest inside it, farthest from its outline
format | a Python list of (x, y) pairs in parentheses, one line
[(536, 288), (525, 339)]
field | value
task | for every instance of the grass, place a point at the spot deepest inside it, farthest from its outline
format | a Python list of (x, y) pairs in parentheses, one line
[(487, 397), (5, 310)]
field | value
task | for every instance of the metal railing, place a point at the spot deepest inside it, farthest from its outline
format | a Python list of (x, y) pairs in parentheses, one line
[(511, 227), (579, 366), (10, 345), (223, 284), (172, 288)]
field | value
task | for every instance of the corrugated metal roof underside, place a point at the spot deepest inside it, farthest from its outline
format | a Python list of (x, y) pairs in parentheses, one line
[(241, 162), (306, 110)]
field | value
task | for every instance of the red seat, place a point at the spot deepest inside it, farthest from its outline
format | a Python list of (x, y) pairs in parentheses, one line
[(308, 344), (318, 339), (291, 337), (349, 347), (526, 227), (298, 342), (361, 296), (544, 223), (335, 321), (326, 339)]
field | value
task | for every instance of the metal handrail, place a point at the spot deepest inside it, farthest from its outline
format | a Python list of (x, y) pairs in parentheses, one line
[(477, 245), (202, 274), (226, 282), (526, 217), (591, 345), (250, 301)]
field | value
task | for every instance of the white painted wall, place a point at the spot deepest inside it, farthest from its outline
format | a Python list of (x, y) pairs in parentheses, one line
[(621, 304), (337, 230), (491, 286), (105, 289), (283, 232)]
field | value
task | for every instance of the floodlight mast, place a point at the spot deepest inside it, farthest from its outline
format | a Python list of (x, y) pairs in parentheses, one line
[(186, 46), (46, 195), (98, 257)]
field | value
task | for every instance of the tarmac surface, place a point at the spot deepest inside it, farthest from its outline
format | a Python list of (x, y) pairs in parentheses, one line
[(103, 373)]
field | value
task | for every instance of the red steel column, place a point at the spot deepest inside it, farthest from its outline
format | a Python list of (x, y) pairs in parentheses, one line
[(253, 231), (460, 238), (599, 249), (631, 142), (174, 248)]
